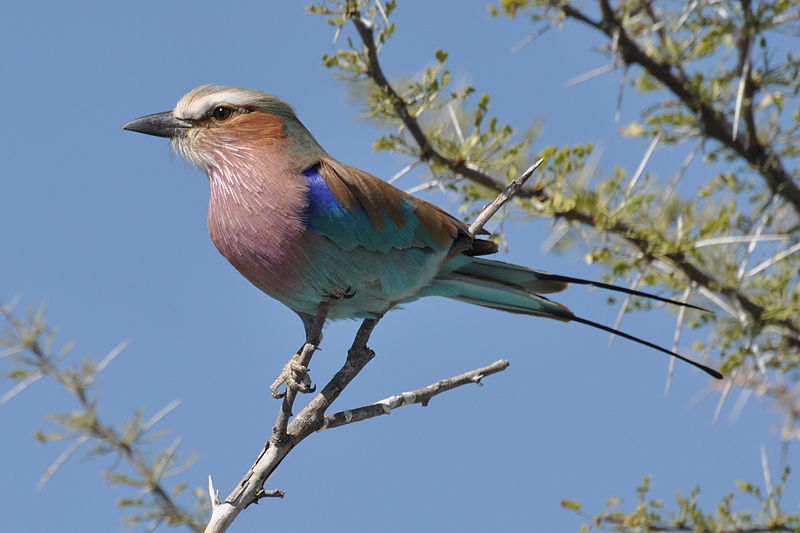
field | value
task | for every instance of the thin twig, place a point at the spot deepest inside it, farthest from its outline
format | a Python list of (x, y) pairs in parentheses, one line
[(620, 92), (156, 418), (676, 179), (676, 339), (624, 307), (772, 260), (759, 223), (14, 350), (403, 171), (61, 459), (739, 239), (642, 165), (382, 11), (165, 458), (213, 494), (528, 39), (741, 402), (586, 76), (456, 125), (737, 113), (21, 386), (723, 399), (511, 189), (773, 508), (105, 361), (421, 396)]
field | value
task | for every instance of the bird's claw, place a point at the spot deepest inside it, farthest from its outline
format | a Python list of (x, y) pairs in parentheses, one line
[(296, 378), (343, 294)]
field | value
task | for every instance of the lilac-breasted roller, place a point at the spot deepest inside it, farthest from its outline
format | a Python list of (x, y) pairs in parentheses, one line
[(305, 228)]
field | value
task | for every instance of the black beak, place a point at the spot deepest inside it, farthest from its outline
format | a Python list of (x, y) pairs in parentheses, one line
[(160, 125)]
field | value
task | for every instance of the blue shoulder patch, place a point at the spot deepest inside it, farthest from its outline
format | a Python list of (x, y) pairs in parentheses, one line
[(325, 215), (321, 200), (319, 194)]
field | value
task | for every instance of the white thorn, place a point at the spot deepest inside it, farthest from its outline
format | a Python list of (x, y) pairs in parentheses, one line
[(213, 494)]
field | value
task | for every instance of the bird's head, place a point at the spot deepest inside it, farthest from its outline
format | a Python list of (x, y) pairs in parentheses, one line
[(215, 125)]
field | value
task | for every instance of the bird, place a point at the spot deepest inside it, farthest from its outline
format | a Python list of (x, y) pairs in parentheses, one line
[(305, 228)]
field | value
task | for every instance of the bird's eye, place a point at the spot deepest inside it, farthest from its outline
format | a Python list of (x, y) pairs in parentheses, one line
[(222, 113)]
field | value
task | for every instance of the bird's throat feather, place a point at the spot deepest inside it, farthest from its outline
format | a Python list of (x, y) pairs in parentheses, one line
[(256, 213)]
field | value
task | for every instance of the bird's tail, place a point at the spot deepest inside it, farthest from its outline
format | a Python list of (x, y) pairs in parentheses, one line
[(517, 289)]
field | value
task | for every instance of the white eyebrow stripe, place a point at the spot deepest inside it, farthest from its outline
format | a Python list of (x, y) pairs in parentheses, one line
[(197, 103)]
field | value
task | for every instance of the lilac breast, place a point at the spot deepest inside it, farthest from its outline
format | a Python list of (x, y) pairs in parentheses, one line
[(258, 224)]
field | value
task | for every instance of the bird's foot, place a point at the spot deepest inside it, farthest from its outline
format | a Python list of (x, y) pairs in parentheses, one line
[(295, 376), (342, 294)]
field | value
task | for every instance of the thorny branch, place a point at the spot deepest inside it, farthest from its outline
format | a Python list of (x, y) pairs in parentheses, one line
[(712, 121), (676, 528), (30, 340), (427, 152), (768, 164)]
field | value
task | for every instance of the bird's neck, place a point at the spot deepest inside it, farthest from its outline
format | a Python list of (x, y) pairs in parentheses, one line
[(257, 180)]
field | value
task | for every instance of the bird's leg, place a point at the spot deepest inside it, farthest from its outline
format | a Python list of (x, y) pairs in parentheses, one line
[(295, 371)]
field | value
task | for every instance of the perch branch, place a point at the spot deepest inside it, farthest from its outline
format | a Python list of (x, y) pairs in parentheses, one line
[(313, 336)]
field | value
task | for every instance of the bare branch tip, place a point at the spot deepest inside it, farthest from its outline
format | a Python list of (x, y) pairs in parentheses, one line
[(269, 493), (505, 195), (213, 494)]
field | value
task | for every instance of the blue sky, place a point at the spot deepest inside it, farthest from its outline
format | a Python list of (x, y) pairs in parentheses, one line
[(109, 229)]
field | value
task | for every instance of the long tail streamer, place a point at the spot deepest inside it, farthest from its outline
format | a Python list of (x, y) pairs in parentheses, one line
[(601, 285), (708, 370)]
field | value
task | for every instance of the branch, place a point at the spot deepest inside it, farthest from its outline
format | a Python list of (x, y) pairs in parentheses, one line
[(251, 488), (511, 189), (712, 122), (676, 260), (28, 338), (313, 336), (620, 524), (427, 152), (311, 419), (421, 396)]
